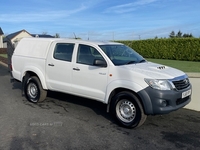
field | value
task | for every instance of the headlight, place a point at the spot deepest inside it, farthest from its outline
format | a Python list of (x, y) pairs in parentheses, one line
[(159, 84)]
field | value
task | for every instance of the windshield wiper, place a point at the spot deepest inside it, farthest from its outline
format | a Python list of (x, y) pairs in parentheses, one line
[(130, 62), (141, 61)]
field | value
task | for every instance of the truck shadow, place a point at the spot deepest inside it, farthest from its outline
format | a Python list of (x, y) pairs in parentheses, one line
[(3, 70), (62, 100), (16, 85)]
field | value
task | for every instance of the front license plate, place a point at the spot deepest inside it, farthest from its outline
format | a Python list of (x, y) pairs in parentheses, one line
[(186, 93)]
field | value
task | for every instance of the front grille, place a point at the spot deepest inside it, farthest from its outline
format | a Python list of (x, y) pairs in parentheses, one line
[(180, 100), (181, 84)]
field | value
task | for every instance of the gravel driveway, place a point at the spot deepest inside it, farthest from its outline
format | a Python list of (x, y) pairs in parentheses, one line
[(69, 122)]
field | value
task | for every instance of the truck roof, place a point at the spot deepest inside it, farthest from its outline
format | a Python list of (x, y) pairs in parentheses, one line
[(70, 40), (38, 47)]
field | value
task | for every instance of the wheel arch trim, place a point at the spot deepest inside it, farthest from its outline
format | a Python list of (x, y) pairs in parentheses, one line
[(37, 72), (136, 90)]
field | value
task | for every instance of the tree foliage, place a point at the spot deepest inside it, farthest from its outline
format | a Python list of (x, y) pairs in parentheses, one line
[(179, 34), (57, 35), (172, 34)]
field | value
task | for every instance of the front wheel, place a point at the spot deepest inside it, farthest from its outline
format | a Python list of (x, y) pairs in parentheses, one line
[(128, 110), (34, 91)]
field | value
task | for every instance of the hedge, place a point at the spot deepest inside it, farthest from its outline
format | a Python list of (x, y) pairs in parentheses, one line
[(187, 49)]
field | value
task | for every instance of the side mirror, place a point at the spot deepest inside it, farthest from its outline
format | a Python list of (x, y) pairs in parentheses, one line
[(100, 63)]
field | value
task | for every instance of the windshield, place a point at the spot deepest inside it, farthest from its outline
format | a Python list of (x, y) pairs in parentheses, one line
[(122, 54)]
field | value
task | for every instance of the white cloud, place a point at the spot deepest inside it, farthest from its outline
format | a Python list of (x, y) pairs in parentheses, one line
[(129, 6), (39, 16)]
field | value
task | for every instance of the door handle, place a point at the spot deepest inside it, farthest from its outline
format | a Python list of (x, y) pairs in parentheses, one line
[(51, 65), (77, 69)]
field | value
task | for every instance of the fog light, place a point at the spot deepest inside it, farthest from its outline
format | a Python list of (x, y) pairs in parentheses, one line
[(164, 103)]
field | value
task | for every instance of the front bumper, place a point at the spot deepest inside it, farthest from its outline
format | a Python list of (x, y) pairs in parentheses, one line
[(162, 102)]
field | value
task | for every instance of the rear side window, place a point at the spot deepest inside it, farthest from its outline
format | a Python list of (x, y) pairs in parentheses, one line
[(63, 51)]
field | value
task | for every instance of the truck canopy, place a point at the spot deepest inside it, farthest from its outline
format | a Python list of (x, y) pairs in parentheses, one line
[(33, 47)]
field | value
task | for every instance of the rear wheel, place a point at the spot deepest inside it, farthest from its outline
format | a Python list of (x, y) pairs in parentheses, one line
[(33, 90), (128, 110)]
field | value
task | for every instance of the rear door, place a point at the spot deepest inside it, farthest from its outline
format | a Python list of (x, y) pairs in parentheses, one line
[(89, 80), (59, 67)]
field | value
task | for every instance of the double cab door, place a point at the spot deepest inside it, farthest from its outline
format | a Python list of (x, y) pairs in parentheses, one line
[(70, 69)]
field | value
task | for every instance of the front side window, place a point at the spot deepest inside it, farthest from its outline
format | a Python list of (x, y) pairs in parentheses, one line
[(63, 51), (122, 54), (87, 55)]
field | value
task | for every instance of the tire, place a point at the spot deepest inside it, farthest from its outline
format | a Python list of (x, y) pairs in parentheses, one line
[(33, 90), (127, 110)]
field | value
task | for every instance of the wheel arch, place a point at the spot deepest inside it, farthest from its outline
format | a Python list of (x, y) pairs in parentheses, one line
[(35, 72), (120, 89)]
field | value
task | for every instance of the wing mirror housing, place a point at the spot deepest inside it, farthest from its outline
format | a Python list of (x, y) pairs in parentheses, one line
[(100, 63)]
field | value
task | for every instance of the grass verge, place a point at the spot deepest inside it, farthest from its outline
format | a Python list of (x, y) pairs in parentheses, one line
[(186, 66), (4, 55)]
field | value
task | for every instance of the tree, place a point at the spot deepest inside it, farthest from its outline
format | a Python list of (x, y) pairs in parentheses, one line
[(57, 35), (185, 35), (191, 35), (172, 34), (179, 34)]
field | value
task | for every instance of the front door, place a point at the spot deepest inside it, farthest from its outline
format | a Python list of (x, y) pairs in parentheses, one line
[(89, 80)]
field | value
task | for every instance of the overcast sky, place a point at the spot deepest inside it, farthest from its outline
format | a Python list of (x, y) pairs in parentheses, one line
[(101, 19)]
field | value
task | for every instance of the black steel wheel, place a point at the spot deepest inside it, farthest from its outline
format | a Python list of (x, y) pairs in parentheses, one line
[(33, 90), (127, 110)]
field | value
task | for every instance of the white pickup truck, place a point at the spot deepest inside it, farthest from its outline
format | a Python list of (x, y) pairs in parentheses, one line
[(109, 72)]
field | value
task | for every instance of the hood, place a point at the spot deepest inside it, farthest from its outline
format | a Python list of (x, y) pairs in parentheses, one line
[(154, 71)]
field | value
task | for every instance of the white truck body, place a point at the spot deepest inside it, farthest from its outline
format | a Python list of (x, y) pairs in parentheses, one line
[(40, 56)]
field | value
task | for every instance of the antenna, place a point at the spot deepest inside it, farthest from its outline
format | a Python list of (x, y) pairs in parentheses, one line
[(75, 36)]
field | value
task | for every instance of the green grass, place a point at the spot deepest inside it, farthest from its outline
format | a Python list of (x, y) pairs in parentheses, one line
[(4, 55), (186, 66)]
